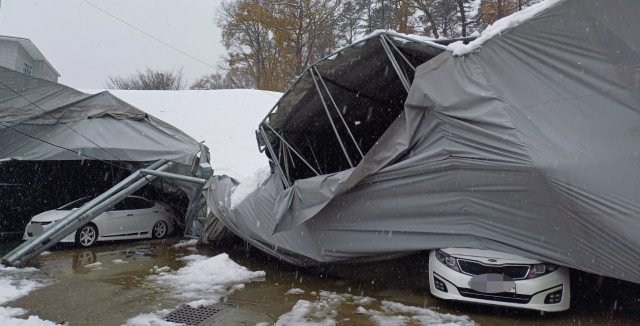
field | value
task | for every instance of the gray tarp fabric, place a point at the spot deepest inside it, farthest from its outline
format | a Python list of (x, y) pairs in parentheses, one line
[(530, 146), (39, 119)]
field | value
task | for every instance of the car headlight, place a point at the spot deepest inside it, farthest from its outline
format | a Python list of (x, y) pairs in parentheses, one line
[(447, 260), (541, 269)]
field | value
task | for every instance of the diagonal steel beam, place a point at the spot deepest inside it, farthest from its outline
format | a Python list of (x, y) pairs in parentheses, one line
[(326, 109), (339, 113)]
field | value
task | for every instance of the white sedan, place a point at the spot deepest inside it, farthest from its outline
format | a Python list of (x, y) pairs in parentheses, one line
[(132, 218), (498, 278)]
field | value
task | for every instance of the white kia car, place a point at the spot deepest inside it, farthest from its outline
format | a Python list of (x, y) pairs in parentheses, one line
[(132, 218), (498, 278)]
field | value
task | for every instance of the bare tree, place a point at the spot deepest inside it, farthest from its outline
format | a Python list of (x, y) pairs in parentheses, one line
[(149, 80), (233, 79)]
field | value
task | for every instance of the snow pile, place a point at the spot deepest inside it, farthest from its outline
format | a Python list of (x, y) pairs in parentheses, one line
[(185, 243), (225, 119), (206, 278), (318, 313), (323, 312), (249, 184), (160, 270), (13, 285), (500, 26), (394, 313), (295, 291), (154, 319), (98, 264), (120, 261)]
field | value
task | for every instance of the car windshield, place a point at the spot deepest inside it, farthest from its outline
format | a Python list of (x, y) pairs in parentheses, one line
[(75, 204)]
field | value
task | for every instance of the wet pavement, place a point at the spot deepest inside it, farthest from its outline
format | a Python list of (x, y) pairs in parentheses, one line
[(118, 289)]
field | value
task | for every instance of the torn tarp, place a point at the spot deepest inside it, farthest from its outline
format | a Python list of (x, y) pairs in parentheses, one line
[(528, 146)]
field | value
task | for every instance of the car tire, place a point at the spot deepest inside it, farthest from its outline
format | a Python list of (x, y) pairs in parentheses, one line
[(159, 230), (87, 236)]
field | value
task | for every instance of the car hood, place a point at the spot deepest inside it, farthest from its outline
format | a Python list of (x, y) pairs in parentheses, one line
[(50, 216), (476, 254)]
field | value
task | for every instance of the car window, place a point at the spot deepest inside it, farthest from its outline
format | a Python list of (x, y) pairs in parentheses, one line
[(131, 203), (75, 204)]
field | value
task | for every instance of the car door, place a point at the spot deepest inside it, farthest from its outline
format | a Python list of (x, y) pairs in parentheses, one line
[(142, 215), (112, 223)]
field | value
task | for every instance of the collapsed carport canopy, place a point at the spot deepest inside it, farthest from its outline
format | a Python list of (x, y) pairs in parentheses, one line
[(528, 145), (42, 120), (334, 113)]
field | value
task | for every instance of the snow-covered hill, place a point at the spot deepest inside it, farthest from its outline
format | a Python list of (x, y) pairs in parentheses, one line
[(224, 119)]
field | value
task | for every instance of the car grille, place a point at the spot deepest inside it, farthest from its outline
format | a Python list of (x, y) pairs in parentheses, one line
[(473, 268), (501, 297), (41, 223)]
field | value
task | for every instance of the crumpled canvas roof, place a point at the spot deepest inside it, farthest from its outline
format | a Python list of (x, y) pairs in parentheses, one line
[(528, 146), (43, 120)]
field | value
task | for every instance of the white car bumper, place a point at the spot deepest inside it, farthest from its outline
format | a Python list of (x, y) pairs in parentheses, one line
[(529, 294), (27, 235)]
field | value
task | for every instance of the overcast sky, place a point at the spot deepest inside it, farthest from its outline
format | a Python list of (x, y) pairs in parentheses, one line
[(86, 45)]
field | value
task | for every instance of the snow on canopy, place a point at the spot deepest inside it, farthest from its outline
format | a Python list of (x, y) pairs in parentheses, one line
[(528, 146), (45, 121), (224, 119)]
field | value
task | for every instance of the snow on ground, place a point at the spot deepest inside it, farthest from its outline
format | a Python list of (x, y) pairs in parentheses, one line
[(209, 278), (202, 282), (153, 319), (97, 264), (394, 313), (225, 119), (500, 26), (295, 291), (185, 243), (16, 283), (323, 312)]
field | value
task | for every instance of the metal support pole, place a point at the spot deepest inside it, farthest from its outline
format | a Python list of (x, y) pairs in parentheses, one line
[(400, 53), (173, 176), (339, 113), (394, 63), (314, 154), (91, 214), (65, 221), (274, 158), (326, 109), (291, 148)]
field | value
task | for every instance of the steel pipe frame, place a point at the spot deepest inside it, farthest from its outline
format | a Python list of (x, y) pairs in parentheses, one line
[(274, 158), (92, 214), (338, 110), (363, 40), (65, 221), (292, 149), (394, 63), (373, 35), (173, 176), (326, 109), (312, 153), (400, 53)]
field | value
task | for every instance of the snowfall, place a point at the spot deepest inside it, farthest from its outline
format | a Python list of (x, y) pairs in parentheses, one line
[(226, 120), (206, 281)]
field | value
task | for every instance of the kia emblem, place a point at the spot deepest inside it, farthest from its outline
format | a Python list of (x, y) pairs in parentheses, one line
[(493, 260)]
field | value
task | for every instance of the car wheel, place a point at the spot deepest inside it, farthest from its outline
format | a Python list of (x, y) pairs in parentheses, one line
[(87, 235), (159, 230)]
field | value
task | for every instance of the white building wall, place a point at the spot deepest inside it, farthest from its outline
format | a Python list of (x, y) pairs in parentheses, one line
[(14, 56), (22, 57), (8, 54)]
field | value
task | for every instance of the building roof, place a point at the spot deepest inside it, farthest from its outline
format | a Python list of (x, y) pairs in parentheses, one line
[(30, 48)]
